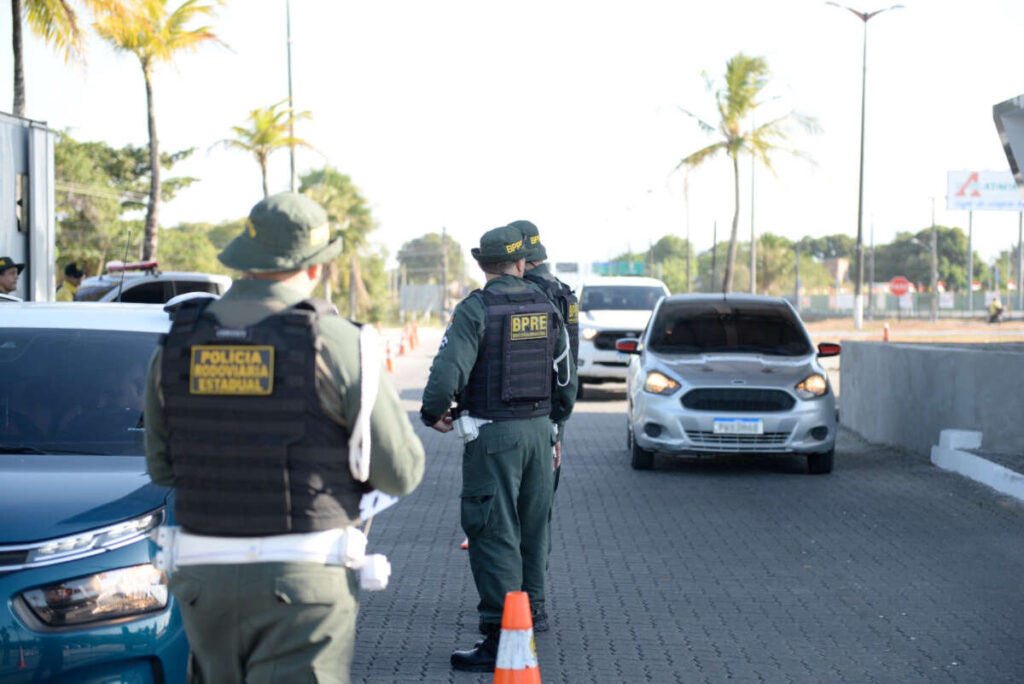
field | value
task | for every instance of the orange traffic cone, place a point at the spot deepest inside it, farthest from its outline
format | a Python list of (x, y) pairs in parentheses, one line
[(401, 345), (415, 335), (465, 544), (387, 356), (517, 652), (885, 332)]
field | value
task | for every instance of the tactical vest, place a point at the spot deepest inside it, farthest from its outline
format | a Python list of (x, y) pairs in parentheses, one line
[(252, 452), (512, 377), (567, 304)]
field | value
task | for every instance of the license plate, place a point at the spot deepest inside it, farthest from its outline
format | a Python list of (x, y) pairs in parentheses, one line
[(739, 426)]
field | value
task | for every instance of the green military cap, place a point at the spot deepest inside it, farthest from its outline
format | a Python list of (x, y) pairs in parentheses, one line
[(7, 262), (500, 244), (284, 232), (531, 240)]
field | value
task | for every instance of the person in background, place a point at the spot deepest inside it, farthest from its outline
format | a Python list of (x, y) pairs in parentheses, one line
[(9, 272), (72, 279)]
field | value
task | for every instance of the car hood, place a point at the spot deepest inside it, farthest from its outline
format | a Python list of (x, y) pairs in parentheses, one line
[(47, 496), (613, 319), (753, 370)]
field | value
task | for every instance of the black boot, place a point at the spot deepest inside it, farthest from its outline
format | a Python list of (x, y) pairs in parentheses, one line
[(540, 621), (480, 658)]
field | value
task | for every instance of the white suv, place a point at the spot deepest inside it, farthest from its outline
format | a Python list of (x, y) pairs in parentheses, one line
[(144, 283), (612, 308)]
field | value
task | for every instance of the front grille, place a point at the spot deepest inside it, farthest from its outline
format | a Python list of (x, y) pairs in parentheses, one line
[(738, 400), (606, 339), (767, 439)]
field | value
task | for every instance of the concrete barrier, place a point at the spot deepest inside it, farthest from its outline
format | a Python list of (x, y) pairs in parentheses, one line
[(906, 394)]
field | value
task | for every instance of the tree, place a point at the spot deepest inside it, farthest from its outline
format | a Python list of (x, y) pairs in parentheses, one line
[(96, 186), (349, 213), (56, 23), (155, 34), (422, 259), (745, 81), (829, 246), (909, 254), (268, 131)]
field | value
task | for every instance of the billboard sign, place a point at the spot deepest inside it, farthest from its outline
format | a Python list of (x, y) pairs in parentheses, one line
[(982, 191)]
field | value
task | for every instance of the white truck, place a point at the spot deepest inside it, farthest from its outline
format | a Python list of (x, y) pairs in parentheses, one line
[(27, 224)]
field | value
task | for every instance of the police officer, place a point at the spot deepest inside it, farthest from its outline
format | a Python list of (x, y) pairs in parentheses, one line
[(250, 404), (505, 359), (9, 272), (566, 304), (72, 279)]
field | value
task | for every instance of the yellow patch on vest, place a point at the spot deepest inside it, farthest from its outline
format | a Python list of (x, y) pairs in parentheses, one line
[(246, 370), (574, 313), (528, 326)]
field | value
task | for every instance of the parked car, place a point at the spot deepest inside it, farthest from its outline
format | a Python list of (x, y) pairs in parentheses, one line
[(144, 283), (716, 374), (80, 599), (612, 308)]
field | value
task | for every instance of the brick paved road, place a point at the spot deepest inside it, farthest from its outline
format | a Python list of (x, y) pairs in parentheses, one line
[(887, 570)]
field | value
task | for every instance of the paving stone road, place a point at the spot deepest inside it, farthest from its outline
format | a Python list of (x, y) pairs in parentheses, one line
[(724, 570)]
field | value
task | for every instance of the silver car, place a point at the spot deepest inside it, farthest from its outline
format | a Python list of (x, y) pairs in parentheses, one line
[(718, 374)]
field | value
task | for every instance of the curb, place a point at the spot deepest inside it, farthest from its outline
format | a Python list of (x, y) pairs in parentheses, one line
[(949, 455)]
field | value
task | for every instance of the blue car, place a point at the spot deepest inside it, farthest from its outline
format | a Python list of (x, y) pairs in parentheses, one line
[(81, 600)]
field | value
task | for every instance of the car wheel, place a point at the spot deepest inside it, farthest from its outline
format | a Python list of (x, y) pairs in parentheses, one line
[(640, 459), (821, 464)]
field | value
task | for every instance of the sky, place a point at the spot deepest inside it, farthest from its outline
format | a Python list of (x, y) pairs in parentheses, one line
[(470, 114)]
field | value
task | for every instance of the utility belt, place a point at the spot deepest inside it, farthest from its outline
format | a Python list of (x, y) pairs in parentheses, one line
[(467, 427), (345, 547)]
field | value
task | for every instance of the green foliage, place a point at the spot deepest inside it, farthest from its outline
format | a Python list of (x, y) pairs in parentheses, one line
[(422, 259), (268, 131), (96, 186), (829, 246), (347, 209), (910, 255), (188, 248)]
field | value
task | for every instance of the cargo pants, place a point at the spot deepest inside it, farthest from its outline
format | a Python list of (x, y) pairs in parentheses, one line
[(507, 486), (268, 622)]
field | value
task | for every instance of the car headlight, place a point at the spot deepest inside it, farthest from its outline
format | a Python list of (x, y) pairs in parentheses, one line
[(588, 333), (814, 385), (95, 541), (657, 383), (103, 596)]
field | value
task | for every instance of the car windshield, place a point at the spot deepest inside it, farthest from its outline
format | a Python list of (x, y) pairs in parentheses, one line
[(72, 391), (620, 297), (710, 327)]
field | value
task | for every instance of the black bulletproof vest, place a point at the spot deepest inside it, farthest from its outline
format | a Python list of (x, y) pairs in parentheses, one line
[(567, 304), (247, 464), (512, 376)]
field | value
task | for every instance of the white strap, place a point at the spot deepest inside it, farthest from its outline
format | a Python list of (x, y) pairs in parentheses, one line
[(369, 382), (562, 357)]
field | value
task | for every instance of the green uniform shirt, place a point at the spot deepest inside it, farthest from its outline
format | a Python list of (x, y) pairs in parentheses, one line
[(396, 463), (543, 271), (460, 345)]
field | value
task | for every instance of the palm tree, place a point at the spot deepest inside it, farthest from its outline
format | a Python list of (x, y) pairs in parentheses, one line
[(155, 34), (745, 81), (349, 212), (56, 23), (268, 131)]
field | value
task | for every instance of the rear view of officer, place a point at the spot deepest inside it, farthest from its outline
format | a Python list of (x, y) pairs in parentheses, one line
[(505, 360), (258, 414)]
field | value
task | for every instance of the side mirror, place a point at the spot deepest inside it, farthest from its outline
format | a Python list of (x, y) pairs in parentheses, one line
[(828, 349), (629, 345)]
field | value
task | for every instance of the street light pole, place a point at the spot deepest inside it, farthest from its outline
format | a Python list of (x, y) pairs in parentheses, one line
[(858, 304), (291, 105)]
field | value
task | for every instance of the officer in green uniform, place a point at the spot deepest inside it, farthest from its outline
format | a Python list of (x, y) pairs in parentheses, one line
[(250, 402), (505, 360), (566, 304)]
